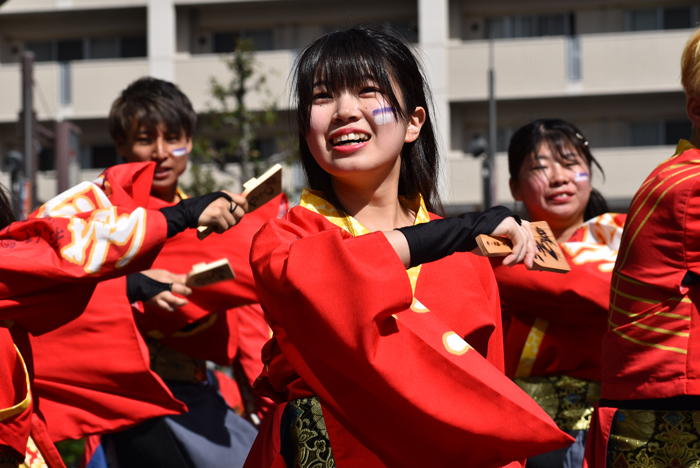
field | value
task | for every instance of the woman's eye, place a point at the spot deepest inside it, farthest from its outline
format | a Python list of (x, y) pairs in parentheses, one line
[(539, 168), (368, 90), (321, 97)]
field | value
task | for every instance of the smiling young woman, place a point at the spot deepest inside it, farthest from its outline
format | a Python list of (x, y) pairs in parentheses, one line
[(554, 325), (386, 347)]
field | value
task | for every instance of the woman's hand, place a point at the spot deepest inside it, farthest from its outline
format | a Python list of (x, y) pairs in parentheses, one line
[(222, 214), (166, 300), (524, 247)]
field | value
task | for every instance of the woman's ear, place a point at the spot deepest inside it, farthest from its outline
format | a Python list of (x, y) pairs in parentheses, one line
[(514, 190), (692, 107), (415, 123)]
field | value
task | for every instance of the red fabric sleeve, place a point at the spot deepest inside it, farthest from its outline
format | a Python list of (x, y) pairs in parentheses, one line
[(389, 381), (86, 234)]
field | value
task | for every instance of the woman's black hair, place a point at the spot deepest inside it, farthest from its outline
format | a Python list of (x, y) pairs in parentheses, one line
[(559, 135), (349, 60), (6, 215)]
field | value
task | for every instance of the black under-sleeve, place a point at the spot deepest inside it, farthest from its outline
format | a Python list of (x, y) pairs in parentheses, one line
[(140, 287), (442, 237), (186, 213)]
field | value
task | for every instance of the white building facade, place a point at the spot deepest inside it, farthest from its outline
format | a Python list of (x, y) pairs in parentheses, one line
[(609, 66)]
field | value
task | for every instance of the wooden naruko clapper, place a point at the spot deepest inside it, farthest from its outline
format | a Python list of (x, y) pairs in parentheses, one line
[(549, 258)]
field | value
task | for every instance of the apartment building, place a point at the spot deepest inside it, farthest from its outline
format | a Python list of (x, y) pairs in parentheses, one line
[(610, 66)]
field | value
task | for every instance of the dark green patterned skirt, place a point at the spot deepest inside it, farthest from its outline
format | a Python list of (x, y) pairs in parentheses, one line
[(654, 438), (304, 437)]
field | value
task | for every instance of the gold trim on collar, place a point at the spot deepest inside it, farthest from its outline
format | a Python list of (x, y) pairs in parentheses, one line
[(684, 145), (313, 200)]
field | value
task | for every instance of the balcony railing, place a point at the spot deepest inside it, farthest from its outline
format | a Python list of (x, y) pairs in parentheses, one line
[(597, 64)]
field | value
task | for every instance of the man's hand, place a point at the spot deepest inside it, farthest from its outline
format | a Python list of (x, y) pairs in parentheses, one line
[(167, 300), (222, 214)]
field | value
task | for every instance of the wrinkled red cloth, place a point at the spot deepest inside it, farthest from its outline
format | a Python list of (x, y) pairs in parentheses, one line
[(50, 264), (572, 309), (402, 381), (107, 394)]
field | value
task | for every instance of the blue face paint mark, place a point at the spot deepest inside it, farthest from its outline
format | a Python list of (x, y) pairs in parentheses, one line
[(581, 177), (179, 152), (383, 115)]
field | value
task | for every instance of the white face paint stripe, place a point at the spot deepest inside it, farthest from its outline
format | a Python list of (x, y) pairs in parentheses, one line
[(581, 177), (180, 152), (383, 115)]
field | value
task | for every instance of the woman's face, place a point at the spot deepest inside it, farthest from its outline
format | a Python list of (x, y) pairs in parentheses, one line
[(354, 133), (554, 188)]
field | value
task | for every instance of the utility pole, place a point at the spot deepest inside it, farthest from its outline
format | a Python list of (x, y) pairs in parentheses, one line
[(29, 134), (488, 168)]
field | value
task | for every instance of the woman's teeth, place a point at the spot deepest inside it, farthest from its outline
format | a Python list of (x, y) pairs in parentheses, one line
[(349, 139)]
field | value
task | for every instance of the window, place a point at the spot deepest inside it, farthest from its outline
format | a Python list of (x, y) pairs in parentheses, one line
[(104, 156), (103, 48), (644, 134), (507, 27), (133, 47), (503, 136), (69, 50), (225, 42), (88, 48), (643, 20), (658, 132), (676, 130), (47, 159), (648, 19), (43, 51), (678, 18)]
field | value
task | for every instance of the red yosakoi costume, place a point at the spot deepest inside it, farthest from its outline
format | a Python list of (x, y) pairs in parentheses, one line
[(220, 322), (554, 326), (651, 367), (50, 264), (376, 365)]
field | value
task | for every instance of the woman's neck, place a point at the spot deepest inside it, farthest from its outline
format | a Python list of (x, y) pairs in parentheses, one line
[(564, 233), (374, 203)]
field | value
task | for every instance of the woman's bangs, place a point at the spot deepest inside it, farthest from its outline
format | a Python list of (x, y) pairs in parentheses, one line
[(342, 61)]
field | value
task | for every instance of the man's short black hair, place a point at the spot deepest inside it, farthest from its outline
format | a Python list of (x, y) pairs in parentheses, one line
[(151, 102)]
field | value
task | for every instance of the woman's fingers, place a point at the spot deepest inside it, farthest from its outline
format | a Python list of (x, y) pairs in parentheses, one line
[(532, 249), (524, 248)]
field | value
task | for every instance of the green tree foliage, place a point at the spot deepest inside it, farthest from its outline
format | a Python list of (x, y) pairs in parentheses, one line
[(230, 116)]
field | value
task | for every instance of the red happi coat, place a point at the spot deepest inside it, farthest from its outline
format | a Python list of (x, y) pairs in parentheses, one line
[(651, 349), (403, 380), (553, 323), (225, 321), (50, 264)]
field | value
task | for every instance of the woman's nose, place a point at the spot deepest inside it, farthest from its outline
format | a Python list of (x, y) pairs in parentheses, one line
[(347, 108), (559, 175)]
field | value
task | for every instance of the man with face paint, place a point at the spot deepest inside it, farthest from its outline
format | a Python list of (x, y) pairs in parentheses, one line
[(152, 120)]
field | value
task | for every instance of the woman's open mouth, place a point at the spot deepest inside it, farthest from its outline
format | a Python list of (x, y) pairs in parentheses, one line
[(350, 139)]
